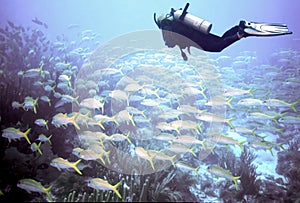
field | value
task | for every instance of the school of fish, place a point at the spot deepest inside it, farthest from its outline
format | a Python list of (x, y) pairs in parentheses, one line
[(156, 108)]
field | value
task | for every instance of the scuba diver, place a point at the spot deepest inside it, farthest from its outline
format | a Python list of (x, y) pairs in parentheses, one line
[(181, 28)]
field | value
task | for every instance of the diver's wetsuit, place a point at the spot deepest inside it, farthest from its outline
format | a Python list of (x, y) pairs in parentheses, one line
[(208, 42)]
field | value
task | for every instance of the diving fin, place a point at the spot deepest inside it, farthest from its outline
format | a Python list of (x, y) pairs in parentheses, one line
[(264, 29)]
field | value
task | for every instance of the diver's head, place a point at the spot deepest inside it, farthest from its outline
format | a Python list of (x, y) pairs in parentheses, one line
[(162, 20)]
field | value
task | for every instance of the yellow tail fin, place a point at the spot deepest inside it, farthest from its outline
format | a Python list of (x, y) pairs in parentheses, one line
[(115, 189), (25, 134), (172, 160), (235, 181), (73, 120), (47, 191), (100, 124), (228, 121), (292, 105), (74, 165), (39, 148), (151, 162)]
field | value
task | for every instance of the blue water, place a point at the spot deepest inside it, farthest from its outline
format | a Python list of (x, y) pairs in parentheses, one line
[(114, 18), (165, 128)]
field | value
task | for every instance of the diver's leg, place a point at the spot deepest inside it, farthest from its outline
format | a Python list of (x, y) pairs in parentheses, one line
[(215, 43), (232, 31)]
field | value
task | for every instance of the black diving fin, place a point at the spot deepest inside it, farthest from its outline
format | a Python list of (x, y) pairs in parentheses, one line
[(264, 29)]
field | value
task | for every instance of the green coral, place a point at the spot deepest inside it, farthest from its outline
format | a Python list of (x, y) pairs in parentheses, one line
[(163, 186), (245, 168), (247, 171), (23, 49), (288, 166), (95, 196)]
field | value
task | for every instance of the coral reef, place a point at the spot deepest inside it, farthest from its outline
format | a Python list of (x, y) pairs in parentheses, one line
[(158, 187), (288, 166), (247, 171), (244, 168), (45, 71), (29, 69), (253, 188)]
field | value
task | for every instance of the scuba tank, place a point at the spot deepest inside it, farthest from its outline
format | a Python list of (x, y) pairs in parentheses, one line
[(191, 21)]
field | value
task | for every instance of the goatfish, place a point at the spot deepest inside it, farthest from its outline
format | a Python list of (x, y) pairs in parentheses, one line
[(36, 147), (99, 148), (111, 71), (65, 78), (161, 156), (64, 99), (262, 116), (13, 134), (88, 154), (231, 91), (222, 139), (93, 122), (221, 172), (34, 72), (119, 95), (125, 116), (244, 130), (83, 119), (142, 153), (149, 92), (133, 87), (31, 185), (92, 103), (250, 102), (151, 103), (105, 118), (265, 145), (44, 138), (186, 139), (194, 91), (100, 184), (186, 125), (209, 117), (164, 137), (164, 126), (41, 122), (290, 120), (180, 148), (184, 166), (219, 101), (46, 99), (16, 105), (170, 114), (61, 119), (280, 103), (120, 137), (187, 109), (61, 163), (30, 103), (92, 136), (135, 111)]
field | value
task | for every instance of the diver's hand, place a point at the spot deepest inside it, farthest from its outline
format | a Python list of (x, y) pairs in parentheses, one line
[(183, 55)]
